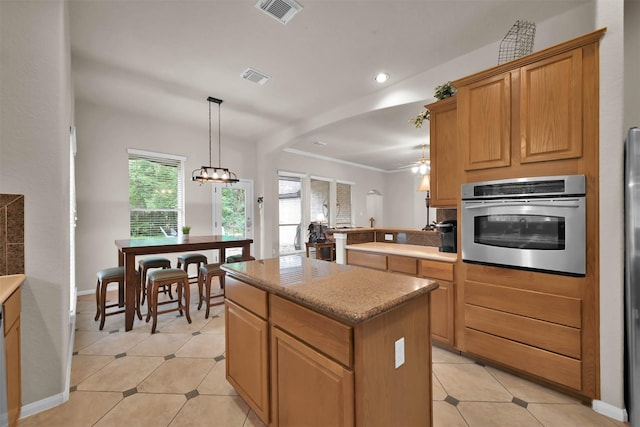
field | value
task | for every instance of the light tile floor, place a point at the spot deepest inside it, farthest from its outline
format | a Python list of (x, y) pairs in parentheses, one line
[(176, 377)]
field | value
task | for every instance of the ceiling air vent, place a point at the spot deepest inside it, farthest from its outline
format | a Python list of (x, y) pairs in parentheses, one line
[(282, 10), (255, 76)]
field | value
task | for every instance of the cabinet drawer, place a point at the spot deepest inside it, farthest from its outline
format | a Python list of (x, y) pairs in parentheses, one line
[(436, 270), (537, 305), (247, 296), (549, 336), (402, 264), (551, 366), (367, 259), (327, 335), (11, 309)]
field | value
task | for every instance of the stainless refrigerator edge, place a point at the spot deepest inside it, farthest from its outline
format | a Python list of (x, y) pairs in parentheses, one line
[(632, 275)]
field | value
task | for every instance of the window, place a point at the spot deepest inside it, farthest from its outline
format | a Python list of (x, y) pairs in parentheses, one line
[(320, 200), (156, 194), (290, 213), (343, 201)]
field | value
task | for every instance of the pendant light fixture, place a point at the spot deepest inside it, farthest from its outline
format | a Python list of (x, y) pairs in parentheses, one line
[(212, 173)]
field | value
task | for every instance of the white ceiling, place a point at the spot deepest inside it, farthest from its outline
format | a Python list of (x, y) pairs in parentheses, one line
[(164, 58)]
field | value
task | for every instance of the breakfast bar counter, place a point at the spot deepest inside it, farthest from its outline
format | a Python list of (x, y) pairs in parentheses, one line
[(315, 343), (414, 251)]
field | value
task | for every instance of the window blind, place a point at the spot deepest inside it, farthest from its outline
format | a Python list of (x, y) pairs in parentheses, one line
[(156, 194)]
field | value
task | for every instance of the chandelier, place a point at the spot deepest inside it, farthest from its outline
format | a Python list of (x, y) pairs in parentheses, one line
[(212, 173), (421, 166)]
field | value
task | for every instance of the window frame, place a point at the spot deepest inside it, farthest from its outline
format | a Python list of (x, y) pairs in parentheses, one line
[(169, 160)]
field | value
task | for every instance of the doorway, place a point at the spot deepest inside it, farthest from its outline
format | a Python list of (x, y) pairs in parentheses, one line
[(233, 212)]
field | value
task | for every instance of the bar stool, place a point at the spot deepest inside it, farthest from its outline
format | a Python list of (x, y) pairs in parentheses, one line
[(206, 274), (239, 258), (185, 260), (106, 276), (147, 263), (159, 278)]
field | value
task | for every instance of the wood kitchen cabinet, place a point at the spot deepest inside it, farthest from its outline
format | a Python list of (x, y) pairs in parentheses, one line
[(296, 364), (551, 108), (444, 153), (247, 345), (11, 309), (529, 110), (534, 116), (346, 346), (484, 122), (442, 300)]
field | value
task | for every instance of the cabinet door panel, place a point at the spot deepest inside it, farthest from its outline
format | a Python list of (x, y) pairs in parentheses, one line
[(551, 108), (402, 264), (442, 313), (444, 153), (367, 259), (308, 389), (484, 114), (14, 389), (247, 357)]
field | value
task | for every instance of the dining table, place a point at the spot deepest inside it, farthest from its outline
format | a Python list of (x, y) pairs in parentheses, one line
[(129, 249)]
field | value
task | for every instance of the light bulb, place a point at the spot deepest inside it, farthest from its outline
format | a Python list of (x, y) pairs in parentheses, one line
[(382, 77), (423, 169), (203, 172), (414, 169), (225, 175), (215, 174)]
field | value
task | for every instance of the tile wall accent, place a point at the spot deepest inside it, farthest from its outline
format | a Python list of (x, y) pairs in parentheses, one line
[(11, 234), (444, 214)]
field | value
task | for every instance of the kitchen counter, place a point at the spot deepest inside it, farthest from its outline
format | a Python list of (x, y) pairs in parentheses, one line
[(423, 252), (8, 285), (312, 342), (347, 293)]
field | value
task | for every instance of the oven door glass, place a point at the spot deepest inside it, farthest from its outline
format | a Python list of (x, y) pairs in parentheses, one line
[(543, 232)]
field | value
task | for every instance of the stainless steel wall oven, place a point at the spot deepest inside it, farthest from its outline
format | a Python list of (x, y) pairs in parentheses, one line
[(530, 223)]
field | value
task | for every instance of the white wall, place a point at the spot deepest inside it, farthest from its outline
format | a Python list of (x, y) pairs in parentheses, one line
[(610, 14), (35, 116), (103, 136)]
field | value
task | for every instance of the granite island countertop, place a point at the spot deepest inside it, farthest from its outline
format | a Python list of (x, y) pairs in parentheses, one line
[(347, 293), (8, 284), (415, 251)]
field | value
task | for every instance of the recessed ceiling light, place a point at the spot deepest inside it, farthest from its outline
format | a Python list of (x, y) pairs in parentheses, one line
[(317, 142), (382, 77)]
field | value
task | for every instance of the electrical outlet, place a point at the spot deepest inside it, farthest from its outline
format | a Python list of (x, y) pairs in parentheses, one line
[(399, 352), (388, 237)]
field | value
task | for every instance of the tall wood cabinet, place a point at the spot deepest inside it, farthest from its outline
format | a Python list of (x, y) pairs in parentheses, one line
[(534, 116), (444, 153)]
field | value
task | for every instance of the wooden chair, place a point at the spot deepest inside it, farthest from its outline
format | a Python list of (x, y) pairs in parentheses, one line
[(185, 260), (206, 274), (239, 258), (106, 276), (148, 263), (159, 278)]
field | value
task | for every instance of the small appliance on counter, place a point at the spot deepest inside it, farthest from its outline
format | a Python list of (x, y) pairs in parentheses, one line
[(448, 231)]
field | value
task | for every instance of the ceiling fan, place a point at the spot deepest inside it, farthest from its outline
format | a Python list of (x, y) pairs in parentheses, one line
[(422, 166)]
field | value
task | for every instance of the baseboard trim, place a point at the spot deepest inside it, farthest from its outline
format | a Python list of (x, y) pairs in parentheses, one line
[(606, 409), (42, 405), (57, 399)]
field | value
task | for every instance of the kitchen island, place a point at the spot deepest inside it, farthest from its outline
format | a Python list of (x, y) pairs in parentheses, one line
[(316, 343)]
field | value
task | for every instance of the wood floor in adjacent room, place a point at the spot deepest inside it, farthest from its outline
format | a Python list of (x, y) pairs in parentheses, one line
[(176, 377)]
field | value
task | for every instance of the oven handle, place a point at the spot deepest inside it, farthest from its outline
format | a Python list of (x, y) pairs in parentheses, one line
[(536, 204)]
